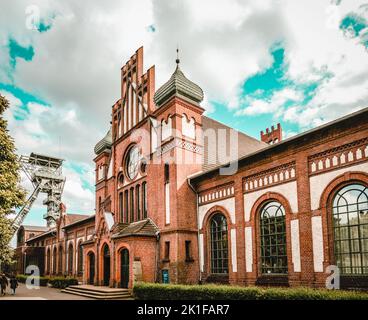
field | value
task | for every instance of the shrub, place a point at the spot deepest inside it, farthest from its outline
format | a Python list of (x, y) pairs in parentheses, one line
[(57, 282), (147, 291), (42, 280), (61, 282), (21, 278)]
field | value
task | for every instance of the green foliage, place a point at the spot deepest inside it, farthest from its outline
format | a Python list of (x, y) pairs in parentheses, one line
[(11, 194), (61, 282), (57, 282), (152, 291), (42, 280)]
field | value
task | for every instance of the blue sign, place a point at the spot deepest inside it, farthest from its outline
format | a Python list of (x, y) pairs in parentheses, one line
[(165, 276)]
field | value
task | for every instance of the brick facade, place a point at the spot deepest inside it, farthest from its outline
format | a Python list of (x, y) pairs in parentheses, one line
[(153, 212)]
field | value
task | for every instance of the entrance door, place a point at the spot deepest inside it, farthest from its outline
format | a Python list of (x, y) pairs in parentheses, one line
[(106, 279), (91, 278), (124, 272)]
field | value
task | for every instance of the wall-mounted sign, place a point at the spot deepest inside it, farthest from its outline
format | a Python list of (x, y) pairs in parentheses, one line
[(165, 276)]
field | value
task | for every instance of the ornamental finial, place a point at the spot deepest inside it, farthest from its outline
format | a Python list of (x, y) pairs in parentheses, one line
[(177, 56)]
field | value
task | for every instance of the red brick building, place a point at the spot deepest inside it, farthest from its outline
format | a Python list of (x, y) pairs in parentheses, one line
[(165, 211), (57, 251), (182, 198)]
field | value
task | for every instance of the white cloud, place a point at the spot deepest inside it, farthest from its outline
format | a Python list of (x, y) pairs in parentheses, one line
[(275, 104), (76, 66)]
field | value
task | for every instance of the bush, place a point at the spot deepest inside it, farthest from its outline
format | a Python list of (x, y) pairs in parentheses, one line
[(57, 282), (21, 278), (42, 280), (151, 291), (61, 282)]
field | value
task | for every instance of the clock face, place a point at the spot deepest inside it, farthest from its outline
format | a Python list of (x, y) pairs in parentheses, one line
[(132, 162)]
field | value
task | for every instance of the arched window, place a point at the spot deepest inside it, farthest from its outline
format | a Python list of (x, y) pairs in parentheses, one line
[(350, 225), (131, 205), (54, 255), (60, 266), (138, 201), (144, 200), (70, 259), (273, 239), (80, 259), (48, 262), (121, 206), (219, 244)]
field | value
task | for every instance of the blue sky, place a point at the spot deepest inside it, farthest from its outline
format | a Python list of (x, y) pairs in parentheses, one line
[(259, 63)]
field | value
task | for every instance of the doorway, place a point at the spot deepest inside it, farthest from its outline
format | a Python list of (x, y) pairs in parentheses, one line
[(124, 271), (106, 265), (91, 278)]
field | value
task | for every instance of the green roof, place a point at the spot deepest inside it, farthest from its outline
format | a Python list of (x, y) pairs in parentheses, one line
[(178, 85), (104, 144)]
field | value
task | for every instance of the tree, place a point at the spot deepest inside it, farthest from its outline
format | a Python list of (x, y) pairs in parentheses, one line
[(11, 194)]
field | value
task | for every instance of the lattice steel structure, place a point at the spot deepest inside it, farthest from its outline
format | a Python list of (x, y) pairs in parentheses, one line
[(45, 173)]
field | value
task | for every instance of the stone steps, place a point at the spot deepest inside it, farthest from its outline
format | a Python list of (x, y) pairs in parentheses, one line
[(101, 293)]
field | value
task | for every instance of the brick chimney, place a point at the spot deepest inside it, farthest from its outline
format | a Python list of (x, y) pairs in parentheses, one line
[(273, 136)]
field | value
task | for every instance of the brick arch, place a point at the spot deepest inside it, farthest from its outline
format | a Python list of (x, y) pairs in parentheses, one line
[(254, 220), (79, 263), (326, 208), (117, 266), (102, 245), (269, 196), (86, 273), (69, 264), (206, 239), (101, 260), (210, 212), (188, 118), (338, 183), (166, 118)]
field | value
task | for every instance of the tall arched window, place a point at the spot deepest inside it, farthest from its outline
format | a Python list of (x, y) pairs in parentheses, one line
[(121, 206), (60, 266), (350, 225), (70, 259), (144, 200), (54, 256), (273, 239), (132, 205), (219, 244), (80, 259), (48, 263)]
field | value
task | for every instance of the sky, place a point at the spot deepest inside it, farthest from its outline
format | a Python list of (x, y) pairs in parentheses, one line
[(259, 62)]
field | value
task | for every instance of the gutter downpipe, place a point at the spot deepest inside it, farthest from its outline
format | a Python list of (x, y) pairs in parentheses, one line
[(199, 251), (157, 256)]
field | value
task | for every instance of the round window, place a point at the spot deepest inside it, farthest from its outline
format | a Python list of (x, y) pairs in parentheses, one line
[(132, 162)]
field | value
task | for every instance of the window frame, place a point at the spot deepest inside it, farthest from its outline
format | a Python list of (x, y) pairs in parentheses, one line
[(271, 242), (335, 211), (219, 257)]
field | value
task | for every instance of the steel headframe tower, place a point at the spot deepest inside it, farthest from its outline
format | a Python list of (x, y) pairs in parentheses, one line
[(46, 176)]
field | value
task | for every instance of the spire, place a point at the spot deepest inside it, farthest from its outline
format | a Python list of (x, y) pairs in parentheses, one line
[(177, 56), (178, 85)]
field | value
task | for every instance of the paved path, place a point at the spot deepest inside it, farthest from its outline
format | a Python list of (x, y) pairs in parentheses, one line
[(44, 293)]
